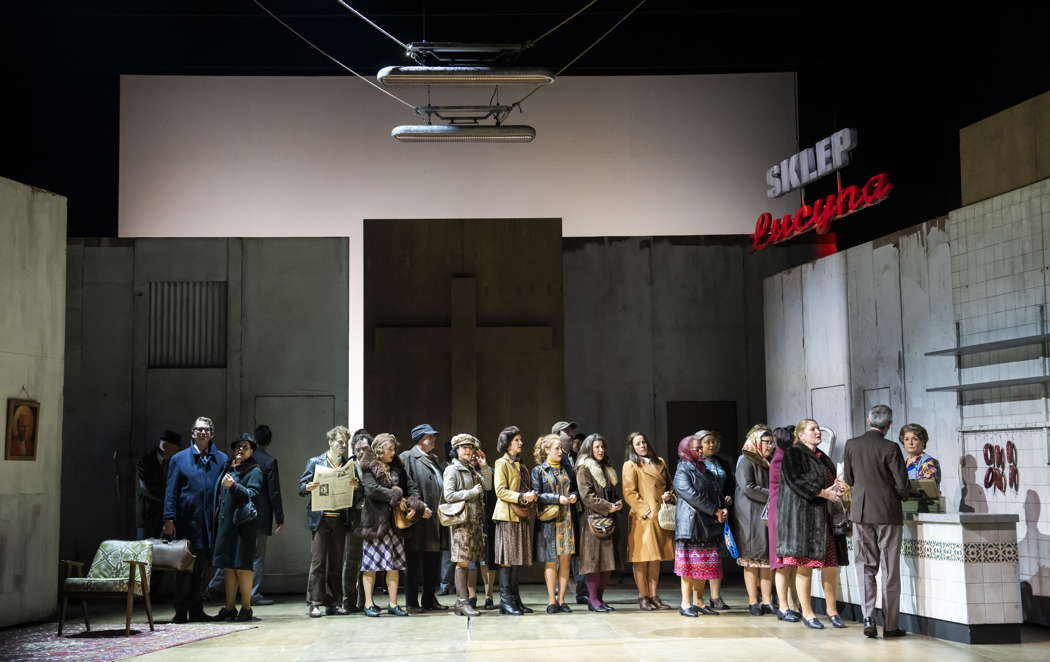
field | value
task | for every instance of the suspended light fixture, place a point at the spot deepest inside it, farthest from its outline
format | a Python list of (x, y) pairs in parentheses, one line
[(459, 133), (464, 76)]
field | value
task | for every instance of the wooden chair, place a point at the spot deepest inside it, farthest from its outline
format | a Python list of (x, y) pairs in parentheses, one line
[(112, 576)]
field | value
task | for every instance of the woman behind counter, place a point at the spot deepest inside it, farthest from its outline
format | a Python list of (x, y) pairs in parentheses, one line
[(597, 483), (804, 535), (920, 465), (646, 485), (240, 481), (462, 483), (751, 500), (555, 542)]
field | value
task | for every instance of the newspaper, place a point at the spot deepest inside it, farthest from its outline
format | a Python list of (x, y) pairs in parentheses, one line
[(335, 489)]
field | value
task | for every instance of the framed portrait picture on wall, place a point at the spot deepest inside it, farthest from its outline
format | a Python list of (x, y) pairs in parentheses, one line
[(20, 434)]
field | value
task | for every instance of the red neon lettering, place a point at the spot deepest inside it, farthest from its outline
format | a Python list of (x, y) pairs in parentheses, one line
[(769, 230)]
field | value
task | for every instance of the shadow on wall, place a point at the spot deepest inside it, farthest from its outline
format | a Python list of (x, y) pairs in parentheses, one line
[(1035, 586), (972, 498)]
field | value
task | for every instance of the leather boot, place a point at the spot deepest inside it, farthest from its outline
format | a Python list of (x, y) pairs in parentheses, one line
[(463, 606), (517, 591), (506, 596)]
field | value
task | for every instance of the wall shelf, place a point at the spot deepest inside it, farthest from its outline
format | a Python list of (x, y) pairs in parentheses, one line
[(991, 346), (999, 383)]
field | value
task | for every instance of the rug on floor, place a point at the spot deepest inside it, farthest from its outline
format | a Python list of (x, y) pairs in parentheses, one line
[(104, 642)]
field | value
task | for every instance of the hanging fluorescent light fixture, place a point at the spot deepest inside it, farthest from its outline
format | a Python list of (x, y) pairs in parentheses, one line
[(459, 133), (464, 76)]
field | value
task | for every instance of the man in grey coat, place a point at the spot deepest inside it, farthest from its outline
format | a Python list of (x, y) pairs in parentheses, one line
[(874, 467), (424, 541)]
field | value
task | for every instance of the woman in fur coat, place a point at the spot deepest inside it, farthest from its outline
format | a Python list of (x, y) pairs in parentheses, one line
[(597, 483)]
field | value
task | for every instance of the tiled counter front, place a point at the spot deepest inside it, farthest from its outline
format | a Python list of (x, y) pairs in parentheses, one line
[(959, 578)]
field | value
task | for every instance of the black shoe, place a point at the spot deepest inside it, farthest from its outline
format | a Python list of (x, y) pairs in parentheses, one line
[(353, 609), (719, 603), (508, 607), (600, 608), (245, 615), (435, 606), (521, 606), (788, 616), (582, 601), (473, 602), (489, 604), (396, 610), (797, 614), (869, 628), (263, 602), (707, 610), (373, 611), (336, 611), (564, 608), (316, 611), (200, 617), (180, 617), (813, 623), (226, 614), (692, 612), (754, 610), (608, 607), (891, 634), (767, 609), (553, 609), (836, 621)]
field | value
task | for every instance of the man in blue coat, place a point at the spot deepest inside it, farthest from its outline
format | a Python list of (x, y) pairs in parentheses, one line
[(188, 510)]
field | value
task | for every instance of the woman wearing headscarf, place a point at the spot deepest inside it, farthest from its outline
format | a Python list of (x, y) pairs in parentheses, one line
[(387, 487), (555, 541), (646, 486), (804, 535), (239, 482), (597, 483), (514, 515), (699, 516), (783, 575), (749, 504), (462, 484)]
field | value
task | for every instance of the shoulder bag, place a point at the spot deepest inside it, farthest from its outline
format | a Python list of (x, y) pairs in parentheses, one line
[(602, 526), (841, 525), (455, 513)]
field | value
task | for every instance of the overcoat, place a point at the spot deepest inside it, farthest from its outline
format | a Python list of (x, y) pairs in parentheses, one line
[(235, 545), (384, 488), (698, 500), (426, 471), (189, 497), (752, 494), (598, 493), (803, 520), (465, 539), (269, 503), (643, 488)]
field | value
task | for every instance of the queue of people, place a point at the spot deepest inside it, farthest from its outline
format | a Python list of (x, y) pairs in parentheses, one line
[(781, 513)]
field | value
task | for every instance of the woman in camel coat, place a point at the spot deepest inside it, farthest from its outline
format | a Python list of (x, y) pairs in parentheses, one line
[(646, 485)]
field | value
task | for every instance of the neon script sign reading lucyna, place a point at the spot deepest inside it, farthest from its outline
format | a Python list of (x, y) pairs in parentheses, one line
[(769, 230)]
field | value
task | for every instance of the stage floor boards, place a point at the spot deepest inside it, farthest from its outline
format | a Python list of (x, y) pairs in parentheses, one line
[(285, 633)]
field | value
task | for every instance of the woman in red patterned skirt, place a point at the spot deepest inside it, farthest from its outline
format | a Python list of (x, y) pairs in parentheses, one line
[(698, 526), (804, 535)]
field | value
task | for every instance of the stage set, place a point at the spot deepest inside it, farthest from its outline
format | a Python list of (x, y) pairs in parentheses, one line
[(282, 260)]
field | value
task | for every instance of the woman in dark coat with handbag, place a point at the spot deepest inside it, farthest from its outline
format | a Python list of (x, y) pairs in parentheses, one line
[(699, 516), (804, 534), (718, 469), (749, 504), (387, 488), (236, 524), (555, 542), (597, 483)]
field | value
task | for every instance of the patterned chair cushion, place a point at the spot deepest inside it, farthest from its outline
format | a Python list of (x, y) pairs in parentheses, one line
[(110, 567), (97, 585)]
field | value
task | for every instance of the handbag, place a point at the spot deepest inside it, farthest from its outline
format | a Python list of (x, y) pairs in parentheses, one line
[(402, 520), (550, 512), (452, 514), (172, 554), (246, 513), (841, 525), (602, 526), (666, 516), (731, 548)]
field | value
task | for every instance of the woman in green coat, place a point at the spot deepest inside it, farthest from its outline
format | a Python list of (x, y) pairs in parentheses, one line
[(240, 481)]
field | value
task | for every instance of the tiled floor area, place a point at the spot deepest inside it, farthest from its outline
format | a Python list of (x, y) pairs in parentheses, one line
[(285, 633)]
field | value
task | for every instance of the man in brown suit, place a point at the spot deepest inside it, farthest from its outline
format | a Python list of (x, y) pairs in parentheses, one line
[(875, 468)]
